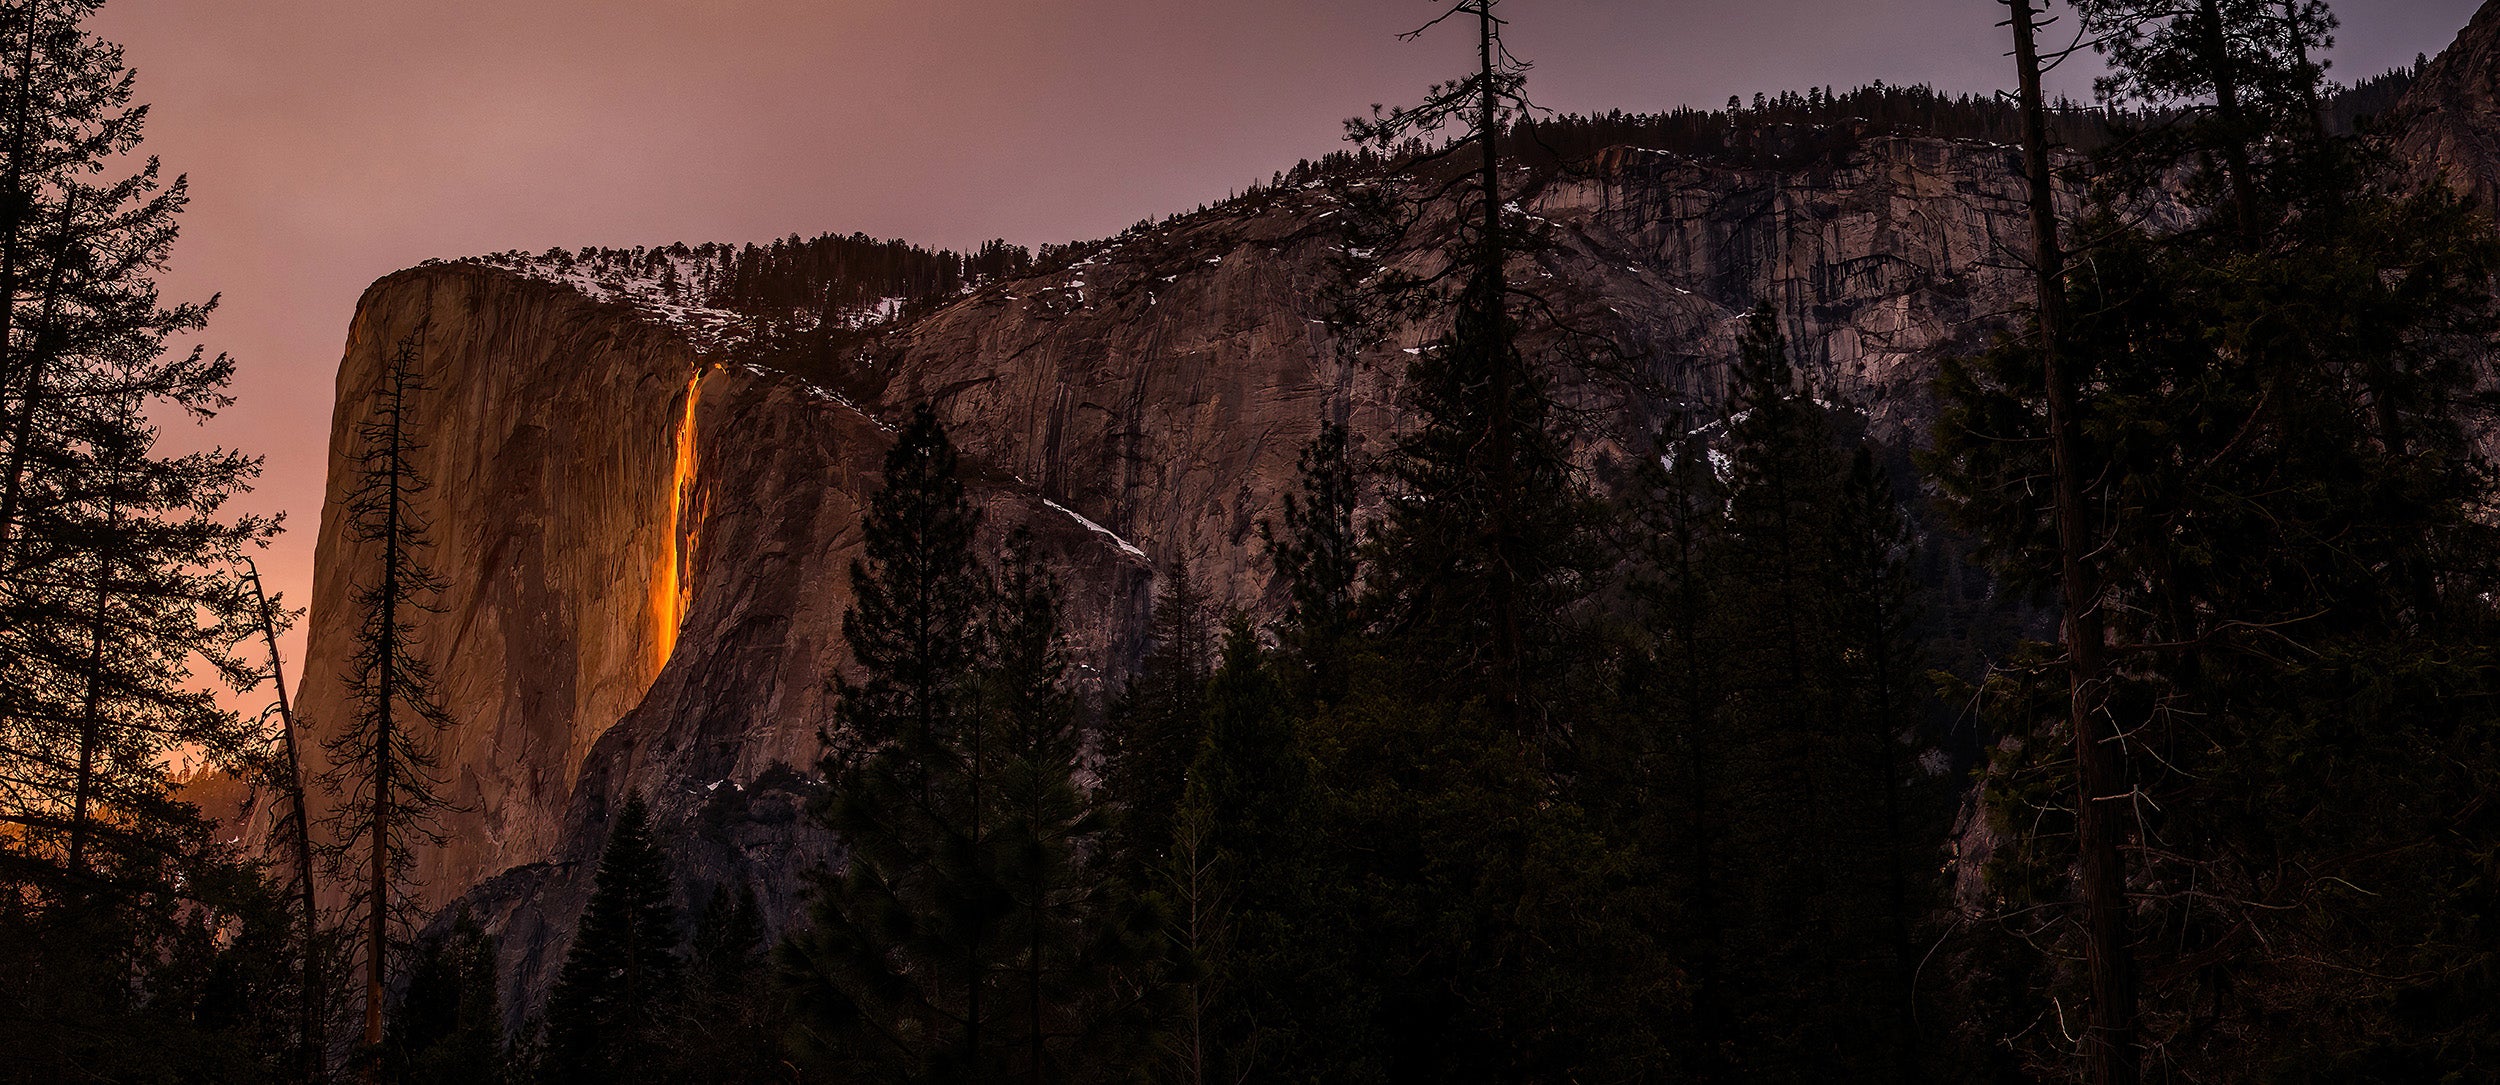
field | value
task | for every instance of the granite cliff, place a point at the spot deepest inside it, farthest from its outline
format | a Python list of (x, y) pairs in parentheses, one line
[(647, 526)]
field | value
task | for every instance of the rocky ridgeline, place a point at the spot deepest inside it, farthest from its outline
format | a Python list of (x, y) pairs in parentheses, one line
[(647, 526)]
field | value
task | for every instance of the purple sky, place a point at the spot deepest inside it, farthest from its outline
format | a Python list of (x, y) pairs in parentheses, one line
[(330, 142)]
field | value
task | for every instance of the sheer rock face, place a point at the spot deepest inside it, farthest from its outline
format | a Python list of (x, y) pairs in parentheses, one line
[(647, 551), (2451, 116), (1164, 385), (547, 437), (645, 557)]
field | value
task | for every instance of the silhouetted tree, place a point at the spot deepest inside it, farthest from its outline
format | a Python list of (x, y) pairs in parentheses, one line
[(728, 1024), (1156, 726), (381, 758), (897, 976), (621, 977), (135, 942), (1317, 557), (448, 1029)]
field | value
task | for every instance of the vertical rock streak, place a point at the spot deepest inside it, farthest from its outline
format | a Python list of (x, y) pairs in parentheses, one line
[(672, 582)]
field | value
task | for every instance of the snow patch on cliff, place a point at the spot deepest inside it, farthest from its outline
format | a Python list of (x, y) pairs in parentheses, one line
[(670, 288), (1126, 547)]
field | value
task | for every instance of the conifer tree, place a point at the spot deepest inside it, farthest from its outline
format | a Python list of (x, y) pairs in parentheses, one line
[(1046, 846), (913, 626), (285, 770), (2234, 75), (1157, 725), (1450, 764), (2266, 414), (381, 759), (1316, 557), (728, 1025), (975, 933), (448, 1029), (1664, 770), (137, 945), (117, 568), (898, 976), (1884, 684), (1480, 537), (1253, 895), (1808, 929), (622, 973)]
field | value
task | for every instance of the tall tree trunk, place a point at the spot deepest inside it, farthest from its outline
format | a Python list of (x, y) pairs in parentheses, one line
[(1508, 648), (2216, 46), (308, 999), (33, 359), (377, 915), (2309, 74), (972, 953), (13, 204), (91, 705), (2108, 953)]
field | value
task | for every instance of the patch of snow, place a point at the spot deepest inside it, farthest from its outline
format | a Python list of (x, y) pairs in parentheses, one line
[(1126, 547), (661, 286)]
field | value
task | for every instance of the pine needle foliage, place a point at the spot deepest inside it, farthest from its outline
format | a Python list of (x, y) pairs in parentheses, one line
[(623, 973)]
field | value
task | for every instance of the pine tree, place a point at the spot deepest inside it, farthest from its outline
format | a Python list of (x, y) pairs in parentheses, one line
[(898, 976), (1884, 686), (2235, 75), (1156, 727), (1317, 557), (130, 934), (164, 986), (1450, 763), (381, 759), (1047, 844), (1480, 533), (1805, 930), (622, 973), (285, 771), (728, 1025), (448, 1029), (1662, 773), (2278, 516), (116, 568), (1255, 892), (975, 933)]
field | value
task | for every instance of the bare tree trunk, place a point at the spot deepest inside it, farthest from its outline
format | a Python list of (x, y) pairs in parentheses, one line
[(2108, 953), (1508, 638), (91, 706), (377, 913), (308, 1000)]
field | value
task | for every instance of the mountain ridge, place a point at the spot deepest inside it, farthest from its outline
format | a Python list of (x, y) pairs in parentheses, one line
[(648, 530)]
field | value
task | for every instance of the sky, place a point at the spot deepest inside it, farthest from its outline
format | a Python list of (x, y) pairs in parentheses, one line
[(331, 142)]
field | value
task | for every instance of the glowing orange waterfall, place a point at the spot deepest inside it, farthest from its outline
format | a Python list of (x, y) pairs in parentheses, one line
[(672, 585)]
